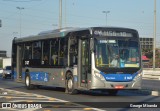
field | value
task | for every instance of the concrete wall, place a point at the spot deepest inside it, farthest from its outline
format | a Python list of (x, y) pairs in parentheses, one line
[(149, 73)]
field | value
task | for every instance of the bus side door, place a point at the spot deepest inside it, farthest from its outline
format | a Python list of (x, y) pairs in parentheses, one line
[(19, 61), (84, 62)]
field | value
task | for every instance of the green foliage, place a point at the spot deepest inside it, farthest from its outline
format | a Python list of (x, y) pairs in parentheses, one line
[(149, 54)]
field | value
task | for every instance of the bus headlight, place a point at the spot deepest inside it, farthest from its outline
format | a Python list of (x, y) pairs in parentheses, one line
[(99, 75), (139, 75)]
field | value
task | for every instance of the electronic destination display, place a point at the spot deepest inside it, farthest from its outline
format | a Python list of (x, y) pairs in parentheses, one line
[(113, 33)]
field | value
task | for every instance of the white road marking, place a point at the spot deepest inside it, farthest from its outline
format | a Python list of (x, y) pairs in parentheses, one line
[(40, 97)]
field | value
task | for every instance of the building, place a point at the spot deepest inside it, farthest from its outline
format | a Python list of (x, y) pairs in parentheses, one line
[(3, 54), (146, 43)]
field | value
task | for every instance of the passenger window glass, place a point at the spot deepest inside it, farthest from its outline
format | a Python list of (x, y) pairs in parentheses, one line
[(46, 52), (61, 52), (37, 50), (54, 51), (73, 51), (28, 51)]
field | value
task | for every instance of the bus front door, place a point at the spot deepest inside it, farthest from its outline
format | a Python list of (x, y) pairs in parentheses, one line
[(84, 63)]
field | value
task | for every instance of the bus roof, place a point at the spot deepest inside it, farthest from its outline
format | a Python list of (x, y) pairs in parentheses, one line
[(48, 34), (62, 33)]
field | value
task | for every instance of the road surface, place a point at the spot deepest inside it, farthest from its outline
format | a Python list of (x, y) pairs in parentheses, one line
[(54, 99)]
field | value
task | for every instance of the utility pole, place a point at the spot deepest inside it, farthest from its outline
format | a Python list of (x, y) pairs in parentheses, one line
[(154, 38), (106, 12), (0, 23), (20, 19), (65, 13), (60, 14)]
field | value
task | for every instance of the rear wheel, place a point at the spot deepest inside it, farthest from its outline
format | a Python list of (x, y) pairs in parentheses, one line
[(70, 85), (28, 82)]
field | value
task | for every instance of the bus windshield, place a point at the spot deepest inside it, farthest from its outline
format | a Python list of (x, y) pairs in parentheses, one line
[(117, 53)]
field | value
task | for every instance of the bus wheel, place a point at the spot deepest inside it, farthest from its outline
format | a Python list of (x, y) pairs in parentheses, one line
[(28, 82), (112, 92), (70, 85)]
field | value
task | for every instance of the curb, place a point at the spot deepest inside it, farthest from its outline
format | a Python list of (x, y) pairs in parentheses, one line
[(145, 92), (155, 93)]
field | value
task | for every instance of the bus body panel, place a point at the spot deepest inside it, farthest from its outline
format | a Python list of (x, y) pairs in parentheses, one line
[(98, 83), (46, 76)]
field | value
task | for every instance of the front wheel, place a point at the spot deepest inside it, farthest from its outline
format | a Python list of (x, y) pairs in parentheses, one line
[(70, 85), (28, 82)]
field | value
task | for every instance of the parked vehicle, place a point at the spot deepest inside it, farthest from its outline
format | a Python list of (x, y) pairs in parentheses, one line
[(7, 72)]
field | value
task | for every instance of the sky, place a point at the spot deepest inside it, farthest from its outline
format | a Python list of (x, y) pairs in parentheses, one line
[(43, 15)]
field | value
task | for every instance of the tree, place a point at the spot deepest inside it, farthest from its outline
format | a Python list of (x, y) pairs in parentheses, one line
[(149, 54)]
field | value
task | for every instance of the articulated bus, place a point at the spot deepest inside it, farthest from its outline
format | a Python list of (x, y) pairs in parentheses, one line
[(107, 59)]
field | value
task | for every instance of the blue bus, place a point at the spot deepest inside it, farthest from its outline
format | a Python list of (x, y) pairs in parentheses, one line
[(95, 58)]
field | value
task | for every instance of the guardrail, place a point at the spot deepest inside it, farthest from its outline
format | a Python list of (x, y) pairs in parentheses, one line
[(151, 74)]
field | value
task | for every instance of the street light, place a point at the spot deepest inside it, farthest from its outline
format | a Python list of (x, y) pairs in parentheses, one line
[(20, 18), (106, 12)]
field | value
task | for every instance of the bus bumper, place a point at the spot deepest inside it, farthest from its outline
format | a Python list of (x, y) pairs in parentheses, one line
[(99, 84)]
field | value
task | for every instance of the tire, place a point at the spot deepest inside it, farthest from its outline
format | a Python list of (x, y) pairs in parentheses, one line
[(70, 85), (28, 82), (113, 92)]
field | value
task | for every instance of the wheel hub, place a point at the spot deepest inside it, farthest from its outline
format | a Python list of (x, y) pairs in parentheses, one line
[(70, 83), (27, 81)]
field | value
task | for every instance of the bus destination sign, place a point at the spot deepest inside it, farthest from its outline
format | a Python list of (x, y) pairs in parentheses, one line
[(112, 33)]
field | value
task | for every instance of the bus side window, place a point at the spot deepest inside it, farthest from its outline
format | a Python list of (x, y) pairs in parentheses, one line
[(54, 52), (37, 50), (37, 53), (46, 50), (73, 51), (61, 52), (28, 51)]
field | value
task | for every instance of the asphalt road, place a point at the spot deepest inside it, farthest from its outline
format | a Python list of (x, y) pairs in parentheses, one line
[(56, 100), (151, 84)]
